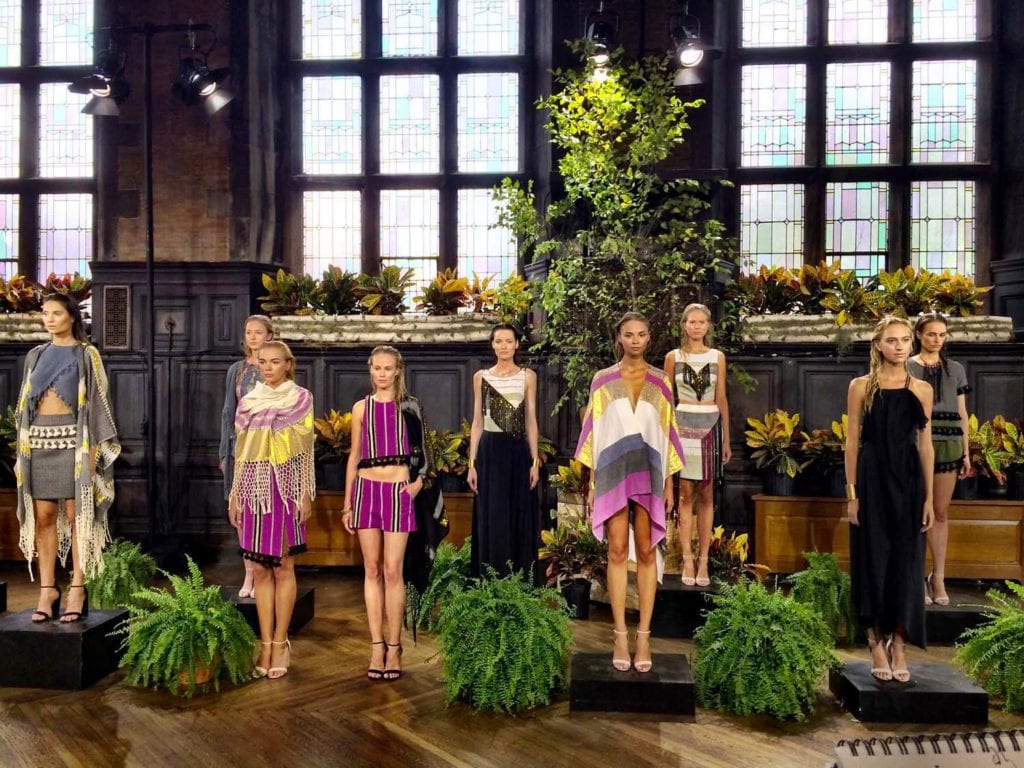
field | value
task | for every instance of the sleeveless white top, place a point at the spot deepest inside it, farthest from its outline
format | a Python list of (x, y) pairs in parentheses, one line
[(512, 388), (696, 376)]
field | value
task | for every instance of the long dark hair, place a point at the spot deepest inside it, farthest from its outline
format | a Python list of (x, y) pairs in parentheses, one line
[(69, 304), (627, 318), (920, 325), (516, 333)]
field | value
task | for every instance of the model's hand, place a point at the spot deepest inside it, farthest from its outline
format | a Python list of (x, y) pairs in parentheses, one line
[(852, 508), (413, 488), (670, 499), (305, 509), (966, 469), (471, 478), (590, 499), (928, 518), (346, 521), (534, 476), (726, 453), (234, 512), (223, 464)]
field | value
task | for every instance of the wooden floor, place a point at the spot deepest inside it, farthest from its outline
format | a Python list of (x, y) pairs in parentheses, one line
[(325, 713)]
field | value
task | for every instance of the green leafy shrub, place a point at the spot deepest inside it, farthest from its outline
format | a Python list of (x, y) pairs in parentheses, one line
[(993, 653), (761, 652), (449, 575), (446, 294), (8, 446), (169, 636), (384, 294), (505, 644), (336, 293), (826, 589), (70, 284), (288, 294), (126, 571)]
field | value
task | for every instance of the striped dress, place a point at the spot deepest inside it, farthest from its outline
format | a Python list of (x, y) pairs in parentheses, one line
[(631, 451)]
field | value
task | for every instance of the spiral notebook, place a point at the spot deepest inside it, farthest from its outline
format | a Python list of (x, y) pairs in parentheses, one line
[(945, 750)]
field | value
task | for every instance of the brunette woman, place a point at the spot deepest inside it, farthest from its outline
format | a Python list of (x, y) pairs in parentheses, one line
[(503, 462), (272, 495), (379, 494), (949, 437), (629, 441), (67, 444), (698, 374), (242, 377), (889, 460)]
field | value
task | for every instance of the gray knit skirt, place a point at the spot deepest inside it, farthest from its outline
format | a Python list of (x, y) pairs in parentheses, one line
[(52, 439)]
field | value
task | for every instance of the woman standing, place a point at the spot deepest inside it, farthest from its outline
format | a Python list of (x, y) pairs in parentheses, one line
[(272, 495), (890, 503), (949, 437), (242, 377), (702, 413), (67, 444), (629, 441), (503, 462), (379, 494)]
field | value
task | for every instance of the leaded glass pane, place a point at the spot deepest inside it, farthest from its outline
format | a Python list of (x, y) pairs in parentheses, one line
[(331, 232), (10, 33), (65, 32), (858, 21), (944, 111), (856, 225), (488, 27), (935, 20), (332, 125), (410, 233), (942, 226), (484, 248), (65, 134), (774, 113), (65, 233), (409, 27), (769, 23), (332, 29), (488, 119), (410, 124), (9, 235), (10, 130), (771, 225), (857, 114)]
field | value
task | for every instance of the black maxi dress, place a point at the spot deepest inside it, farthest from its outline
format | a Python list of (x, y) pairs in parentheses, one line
[(887, 548)]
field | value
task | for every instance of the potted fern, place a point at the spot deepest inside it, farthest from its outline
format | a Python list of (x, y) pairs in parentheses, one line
[(993, 653), (186, 638), (826, 588), (449, 575), (126, 571), (776, 453)]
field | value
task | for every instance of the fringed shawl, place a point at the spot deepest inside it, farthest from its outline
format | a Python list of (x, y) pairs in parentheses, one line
[(274, 439), (94, 491)]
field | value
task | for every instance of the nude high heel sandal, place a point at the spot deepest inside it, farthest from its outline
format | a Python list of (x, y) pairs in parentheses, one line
[(622, 665)]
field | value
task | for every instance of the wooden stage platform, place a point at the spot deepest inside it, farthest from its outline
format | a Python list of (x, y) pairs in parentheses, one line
[(325, 713)]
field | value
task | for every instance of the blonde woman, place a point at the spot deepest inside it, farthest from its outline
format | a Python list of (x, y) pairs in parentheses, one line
[(698, 374), (889, 459)]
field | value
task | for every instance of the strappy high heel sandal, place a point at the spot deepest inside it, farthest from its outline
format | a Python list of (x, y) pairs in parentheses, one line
[(259, 672), (688, 581), (373, 673), (390, 675), (277, 672), (643, 666), (38, 617), (880, 673), (901, 674), (703, 581), (70, 617), (930, 581), (623, 665)]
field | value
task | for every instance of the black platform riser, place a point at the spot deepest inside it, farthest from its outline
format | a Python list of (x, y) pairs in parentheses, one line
[(679, 610), (305, 605), (666, 690)]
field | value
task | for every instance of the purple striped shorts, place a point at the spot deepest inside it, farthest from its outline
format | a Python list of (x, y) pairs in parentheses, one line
[(384, 506)]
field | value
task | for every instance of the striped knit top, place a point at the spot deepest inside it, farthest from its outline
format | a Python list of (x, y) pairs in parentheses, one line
[(384, 440)]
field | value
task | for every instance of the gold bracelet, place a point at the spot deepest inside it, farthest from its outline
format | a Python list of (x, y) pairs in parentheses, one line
[(472, 463), (536, 464), (851, 492)]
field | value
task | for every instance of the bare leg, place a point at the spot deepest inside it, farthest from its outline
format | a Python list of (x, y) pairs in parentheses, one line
[(938, 534), (372, 545), (284, 603), (617, 530), (263, 576), (880, 668), (685, 507), (394, 596), (46, 546), (76, 596), (705, 524), (247, 582), (647, 586), (899, 660)]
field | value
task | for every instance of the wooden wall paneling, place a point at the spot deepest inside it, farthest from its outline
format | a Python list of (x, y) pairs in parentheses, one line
[(998, 388), (441, 390), (822, 388), (348, 381)]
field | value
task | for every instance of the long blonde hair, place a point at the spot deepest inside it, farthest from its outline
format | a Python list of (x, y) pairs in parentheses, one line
[(872, 387), (287, 355), (400, 391), (266, 322), (689, 310)]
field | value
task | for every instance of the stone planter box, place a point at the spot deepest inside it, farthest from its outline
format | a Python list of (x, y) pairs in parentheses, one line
[(368, 330), (822, 329), (23, 327)]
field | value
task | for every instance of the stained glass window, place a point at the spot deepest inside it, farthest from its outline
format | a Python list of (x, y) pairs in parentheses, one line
[(332, 29), (944, 111), (774, 112), (409, 27), (410, 124), (856, 225), (483, 247), (410, 233), (769, 23), (488, 116), (935, 20), (942, 226), (858, 21), (65, 134), (331, 231), (65, 233), (10, 33), (488, 27), (332, 125), (9, 205), (771, 225), (65, 32), (857, 113), (10, 130)]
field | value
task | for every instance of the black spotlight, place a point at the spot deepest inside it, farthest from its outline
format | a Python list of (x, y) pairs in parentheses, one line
[(105, 83), (197, 83), (685, 32), (601, 30)]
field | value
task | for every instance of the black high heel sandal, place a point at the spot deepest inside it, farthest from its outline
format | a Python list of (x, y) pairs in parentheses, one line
[(38, 617), (373, 673), (390, 675), (69, 617)]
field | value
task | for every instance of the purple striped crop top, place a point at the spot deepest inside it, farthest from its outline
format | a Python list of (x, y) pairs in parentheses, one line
[(384, 441)]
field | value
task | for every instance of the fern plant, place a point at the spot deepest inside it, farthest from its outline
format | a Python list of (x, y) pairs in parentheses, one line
[(993, 653), (826, 589), (505, 644), (169, 636), (761, 652), (449, 575), (126, 571)]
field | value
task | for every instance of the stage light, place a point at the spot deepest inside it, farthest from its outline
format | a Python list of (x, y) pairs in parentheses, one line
[(105, 83), (601, 31), (196, 81), (685, 32)]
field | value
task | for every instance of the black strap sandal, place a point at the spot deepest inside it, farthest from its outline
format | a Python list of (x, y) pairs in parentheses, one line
[(390, 675), (69, 617), (377, 674), (39, 617)]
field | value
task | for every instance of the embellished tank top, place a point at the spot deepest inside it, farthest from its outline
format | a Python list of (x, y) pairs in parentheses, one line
[(696, 375), (504, 403), (385, 442)]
